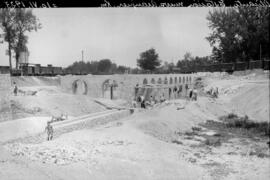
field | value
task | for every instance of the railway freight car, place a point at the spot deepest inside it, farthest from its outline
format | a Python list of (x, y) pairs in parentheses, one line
[(37, 70), (57, 71), (27, 70), (44, 71), (4, 69)]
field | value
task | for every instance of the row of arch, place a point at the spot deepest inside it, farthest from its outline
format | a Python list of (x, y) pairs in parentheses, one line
[(175, 80)]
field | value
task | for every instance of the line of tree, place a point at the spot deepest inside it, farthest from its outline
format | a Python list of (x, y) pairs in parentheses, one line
[(239, 33), (149, 62), (189, 61), (15, 22), (102, 67)]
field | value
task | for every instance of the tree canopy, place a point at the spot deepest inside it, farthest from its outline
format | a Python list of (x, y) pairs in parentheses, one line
[(104, 66), (14, 23), (149, 60), (189, 61), (239, 33)]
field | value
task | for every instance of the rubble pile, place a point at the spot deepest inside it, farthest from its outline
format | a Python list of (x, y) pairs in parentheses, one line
[(231, 90), (57, 154)]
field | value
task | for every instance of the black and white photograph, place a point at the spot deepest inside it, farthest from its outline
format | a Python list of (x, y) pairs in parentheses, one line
[(135, 93)]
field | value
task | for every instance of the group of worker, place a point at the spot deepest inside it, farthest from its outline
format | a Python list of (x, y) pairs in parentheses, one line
[(213, 92), (146, 103), (173, 93)]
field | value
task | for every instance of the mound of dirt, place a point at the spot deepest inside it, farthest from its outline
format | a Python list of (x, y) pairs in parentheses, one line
[(164, 123), (51, 101), (22, 127), (253, 100), (246, 95)]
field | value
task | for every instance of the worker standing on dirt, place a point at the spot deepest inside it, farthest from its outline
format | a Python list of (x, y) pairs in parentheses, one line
[(49, 130), (134, 103), (143, 105), (190, 93), (170, 92), (179, 91), (186, 87), (215, 93), (162, 98), (142, 101), (152, 101), (195, 95), (15, 91), (136, 90), (175, 92)]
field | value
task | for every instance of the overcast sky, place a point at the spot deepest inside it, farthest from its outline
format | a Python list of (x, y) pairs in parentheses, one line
[(119, 34)]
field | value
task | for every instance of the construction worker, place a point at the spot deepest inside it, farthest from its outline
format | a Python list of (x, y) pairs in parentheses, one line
[(134, 103), (49, 130), (179, 91), (143, 105), (175, 92), (152, 101), (190, 93), (136, 90), (162, 98), (186, 87), (216, 90), (194, 94), (15, 91)]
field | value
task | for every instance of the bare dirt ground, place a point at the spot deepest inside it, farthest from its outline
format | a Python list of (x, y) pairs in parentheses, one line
[(176, 140), (50, 100)]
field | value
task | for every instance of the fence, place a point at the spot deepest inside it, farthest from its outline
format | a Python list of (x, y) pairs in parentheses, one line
[(229, 67)]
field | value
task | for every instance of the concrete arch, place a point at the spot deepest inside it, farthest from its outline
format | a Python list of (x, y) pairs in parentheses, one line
[(165, 80), (108, 87), (145, 81), (153, 81), (79, 87), (175, 80), (189, 79), (106, 84), (184, 80), (171, 80), (180, 80), (159, 81)]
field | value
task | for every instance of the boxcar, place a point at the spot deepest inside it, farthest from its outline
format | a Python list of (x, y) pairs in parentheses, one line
[(44, 71), (27, 70), (4, 69), (57, 70), (37, 70)]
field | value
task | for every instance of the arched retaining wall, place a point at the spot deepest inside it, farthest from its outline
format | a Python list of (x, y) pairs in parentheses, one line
[(125, 83)]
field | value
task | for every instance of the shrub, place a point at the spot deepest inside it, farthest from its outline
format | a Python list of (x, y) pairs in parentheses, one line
[(213, 141), (233, 121)]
